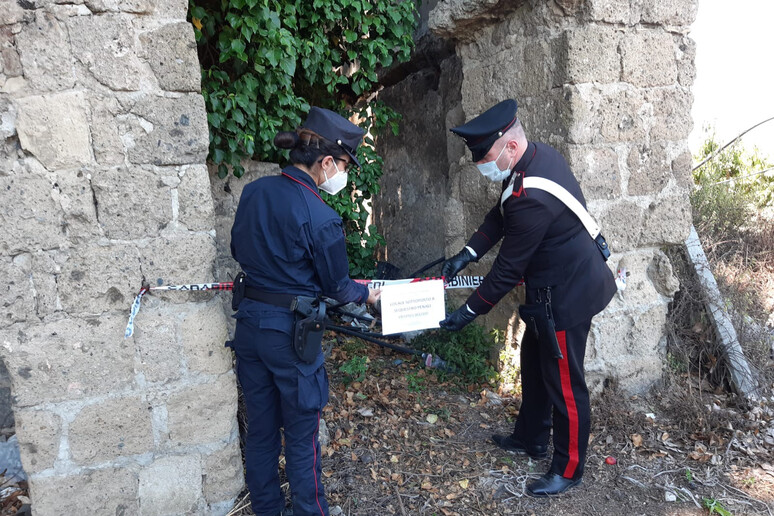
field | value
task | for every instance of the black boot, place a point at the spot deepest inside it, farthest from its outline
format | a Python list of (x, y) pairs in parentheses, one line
[(513, 444), (551, 484)]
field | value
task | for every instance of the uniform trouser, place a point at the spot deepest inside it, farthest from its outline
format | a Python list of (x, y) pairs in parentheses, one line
[(556, 388), (280, 391)]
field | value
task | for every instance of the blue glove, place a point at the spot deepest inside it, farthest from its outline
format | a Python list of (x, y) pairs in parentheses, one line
[(458, 319)]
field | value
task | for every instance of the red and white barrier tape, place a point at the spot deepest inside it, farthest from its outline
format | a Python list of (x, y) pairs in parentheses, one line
[(457, 282)]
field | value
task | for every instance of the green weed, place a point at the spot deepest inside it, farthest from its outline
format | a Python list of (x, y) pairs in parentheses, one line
[(354, 369)]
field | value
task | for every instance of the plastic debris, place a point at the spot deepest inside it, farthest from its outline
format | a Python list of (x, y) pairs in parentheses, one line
[(620, 279)]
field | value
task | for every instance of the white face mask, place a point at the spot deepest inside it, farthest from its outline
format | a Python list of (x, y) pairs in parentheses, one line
[(336, 183), (491, 171)]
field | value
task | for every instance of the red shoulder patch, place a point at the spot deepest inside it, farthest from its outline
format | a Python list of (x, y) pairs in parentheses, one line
[(518, 189)]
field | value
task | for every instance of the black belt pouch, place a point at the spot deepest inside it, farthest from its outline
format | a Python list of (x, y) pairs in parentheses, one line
[(540, 321), (238, 290), (309, 328)]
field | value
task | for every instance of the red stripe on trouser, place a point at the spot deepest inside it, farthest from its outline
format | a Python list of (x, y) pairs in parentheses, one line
[(314, 465), (572, 409)]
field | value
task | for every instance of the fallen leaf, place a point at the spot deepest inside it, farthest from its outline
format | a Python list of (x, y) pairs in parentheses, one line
[(432, 418), (636, 440), (464, 483)]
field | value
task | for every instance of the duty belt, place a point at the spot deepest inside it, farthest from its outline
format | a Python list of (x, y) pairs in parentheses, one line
[(282, 300)]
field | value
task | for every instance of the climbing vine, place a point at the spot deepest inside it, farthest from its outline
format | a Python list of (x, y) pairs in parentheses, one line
[(265, 62)]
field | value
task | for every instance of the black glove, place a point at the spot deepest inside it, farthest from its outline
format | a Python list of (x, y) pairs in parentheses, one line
[(458, 319), (456, 263)]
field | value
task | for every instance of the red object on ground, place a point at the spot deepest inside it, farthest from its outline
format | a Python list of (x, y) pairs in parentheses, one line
[(611, 460)]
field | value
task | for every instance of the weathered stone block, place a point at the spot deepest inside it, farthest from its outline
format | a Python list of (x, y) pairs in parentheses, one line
[(686, 58), (7, 124), (105, 46), (674, 12), (623, 115), (44, 49), (67, 359), (203, 332), (171, 52), (223, 473), (622, 222), (10, 12), (611, 11), (627, 346), (155, 334), (171, 485), (649, 168), (591, 54), (46, 267), (203, 413), (17, 297), (671, 113), (605, 113), (463, 19), (666, 222), (101, 491), (76, 197), (10, 63), (596, 169), (640, 291), (169, 131), (39, 433), (97, 279), (171, 10), (127, 6), (648, 59), (110, 429), (34, 220), (124, 193), (662, 275), (105, 140), (55, 129), (195, 206), (178, 258), (682, 168)]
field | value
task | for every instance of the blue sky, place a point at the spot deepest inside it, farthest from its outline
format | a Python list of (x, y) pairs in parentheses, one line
[(734, 87)]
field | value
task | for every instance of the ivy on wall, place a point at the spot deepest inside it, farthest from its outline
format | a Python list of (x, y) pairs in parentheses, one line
[(265, 62)]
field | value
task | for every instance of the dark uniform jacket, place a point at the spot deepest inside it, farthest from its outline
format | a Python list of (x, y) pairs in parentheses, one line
[(545, 243), (289, 241)]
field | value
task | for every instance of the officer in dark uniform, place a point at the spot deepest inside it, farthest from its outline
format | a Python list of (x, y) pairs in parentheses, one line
[(290, 243), (545, 243)]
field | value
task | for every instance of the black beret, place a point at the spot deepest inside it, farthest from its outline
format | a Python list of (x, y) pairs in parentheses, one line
[(481, 132), (335, 128)]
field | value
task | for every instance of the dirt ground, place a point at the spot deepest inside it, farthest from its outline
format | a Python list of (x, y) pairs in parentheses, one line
[(402, 442)]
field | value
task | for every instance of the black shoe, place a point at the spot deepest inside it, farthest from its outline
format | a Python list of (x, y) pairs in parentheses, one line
[(510, 443), (551, 484)]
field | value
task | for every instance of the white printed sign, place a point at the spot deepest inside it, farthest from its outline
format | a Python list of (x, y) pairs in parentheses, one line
[(412, 306)]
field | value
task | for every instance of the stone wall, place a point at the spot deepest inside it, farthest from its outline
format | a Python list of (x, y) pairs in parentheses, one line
[(605, 82), (103, 139)]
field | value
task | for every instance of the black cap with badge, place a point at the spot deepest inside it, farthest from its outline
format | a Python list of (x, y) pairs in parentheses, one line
[(335, 128), (481, 132)]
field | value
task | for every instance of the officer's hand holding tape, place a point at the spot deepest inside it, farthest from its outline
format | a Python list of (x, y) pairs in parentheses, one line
[(458, 319), (456, 263), (373, 295)]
